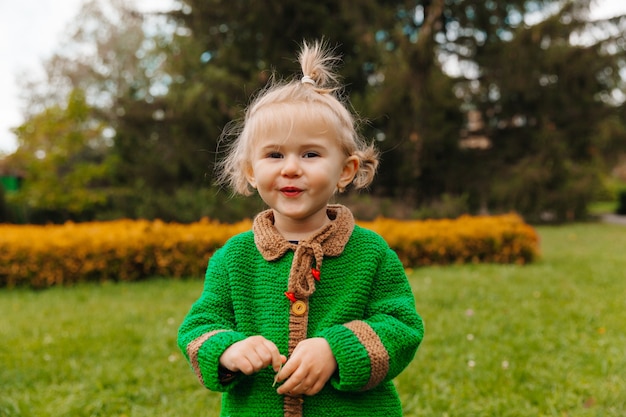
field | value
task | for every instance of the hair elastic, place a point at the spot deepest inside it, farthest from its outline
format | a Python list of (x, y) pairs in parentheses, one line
[(307, 80)]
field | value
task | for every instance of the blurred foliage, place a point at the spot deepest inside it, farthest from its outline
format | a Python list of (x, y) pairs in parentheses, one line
[(4, 210), (621, 207), (68, 164), (541, 81), (185, 204)]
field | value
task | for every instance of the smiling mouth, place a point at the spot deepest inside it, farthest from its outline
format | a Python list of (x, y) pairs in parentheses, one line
[(291, 191)]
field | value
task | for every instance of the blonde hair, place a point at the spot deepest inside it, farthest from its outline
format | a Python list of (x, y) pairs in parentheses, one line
[(316, 97)]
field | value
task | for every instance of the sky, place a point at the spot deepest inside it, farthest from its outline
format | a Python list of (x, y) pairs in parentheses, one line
[(31, 31)]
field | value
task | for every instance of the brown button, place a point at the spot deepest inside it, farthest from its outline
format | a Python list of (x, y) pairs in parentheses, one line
[(298, 308)]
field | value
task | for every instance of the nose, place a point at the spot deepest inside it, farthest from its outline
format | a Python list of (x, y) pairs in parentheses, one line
[(291, 166)]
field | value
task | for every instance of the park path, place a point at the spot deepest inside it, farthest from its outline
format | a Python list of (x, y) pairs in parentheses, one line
[(614, 218)]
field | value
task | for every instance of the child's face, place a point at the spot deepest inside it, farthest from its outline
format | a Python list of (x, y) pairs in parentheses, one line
[(296, 171)]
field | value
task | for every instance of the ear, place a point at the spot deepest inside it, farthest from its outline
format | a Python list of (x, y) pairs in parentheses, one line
[(350, 167), (250, 176)]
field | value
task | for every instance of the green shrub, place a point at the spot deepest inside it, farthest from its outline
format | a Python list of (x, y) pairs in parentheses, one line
[(621, 203), (4, 212)]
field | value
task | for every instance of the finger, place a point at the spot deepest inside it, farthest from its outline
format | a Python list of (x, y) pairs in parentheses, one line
[(317, 387), (289, 367), (302, 381), (302, 388), (251, 363), (278, 361), (271, 355), (306, 387), (245, 366), (234, 361), (293, 382), (256, 362), (262, 356)]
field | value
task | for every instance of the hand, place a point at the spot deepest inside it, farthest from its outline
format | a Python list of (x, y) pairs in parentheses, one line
[(308, 369), (252, 355)]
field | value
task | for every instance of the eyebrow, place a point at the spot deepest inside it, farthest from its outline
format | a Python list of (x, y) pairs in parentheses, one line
[(269, 147), (306, 143)]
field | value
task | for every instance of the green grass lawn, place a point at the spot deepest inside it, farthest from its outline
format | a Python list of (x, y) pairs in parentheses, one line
[(547, 339)]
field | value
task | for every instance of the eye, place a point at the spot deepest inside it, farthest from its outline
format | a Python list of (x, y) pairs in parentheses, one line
[(310, 155), (274, 155)]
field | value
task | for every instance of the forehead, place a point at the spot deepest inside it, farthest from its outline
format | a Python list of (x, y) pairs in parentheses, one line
[(280, 122)]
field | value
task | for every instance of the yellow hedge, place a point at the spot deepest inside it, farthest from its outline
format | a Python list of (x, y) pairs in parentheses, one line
[(495, 239), (126, 250), (122, 250)]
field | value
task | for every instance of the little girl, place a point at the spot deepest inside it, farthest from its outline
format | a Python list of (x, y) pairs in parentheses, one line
[(307, 314)]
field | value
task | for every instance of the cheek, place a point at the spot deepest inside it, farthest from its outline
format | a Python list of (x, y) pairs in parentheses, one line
[(326, 178), (262, 173)]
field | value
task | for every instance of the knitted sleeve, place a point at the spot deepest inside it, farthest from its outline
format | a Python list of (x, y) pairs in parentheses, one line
[(378, 347), (206, 330)]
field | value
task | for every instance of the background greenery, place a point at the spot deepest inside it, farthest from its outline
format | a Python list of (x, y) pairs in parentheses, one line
[(127, 119), (546, 339)]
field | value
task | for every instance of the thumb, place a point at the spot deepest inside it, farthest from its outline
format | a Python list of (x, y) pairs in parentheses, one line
[(278, 362)]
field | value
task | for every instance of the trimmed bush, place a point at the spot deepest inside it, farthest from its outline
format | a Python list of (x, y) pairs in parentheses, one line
[(128, 250), (494, 239), (121, 250)]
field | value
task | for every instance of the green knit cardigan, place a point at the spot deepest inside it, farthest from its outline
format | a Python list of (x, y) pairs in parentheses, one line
[(343, 284)]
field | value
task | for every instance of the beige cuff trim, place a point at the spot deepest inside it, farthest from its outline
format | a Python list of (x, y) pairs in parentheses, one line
[(378, 355), (194, 347)]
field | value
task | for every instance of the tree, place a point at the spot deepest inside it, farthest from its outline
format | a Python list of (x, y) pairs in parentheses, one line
[(396, 52), (553, 114), (544, 95), (422, 115), (233, 47), (541, 96), (77, 112), (63, 151)]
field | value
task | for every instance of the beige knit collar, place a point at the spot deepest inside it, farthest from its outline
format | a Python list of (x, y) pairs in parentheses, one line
[(330, 240), (332, 237)]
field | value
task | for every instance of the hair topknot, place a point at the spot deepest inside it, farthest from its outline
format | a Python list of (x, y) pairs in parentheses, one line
[(315, 95), (319, 62)]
